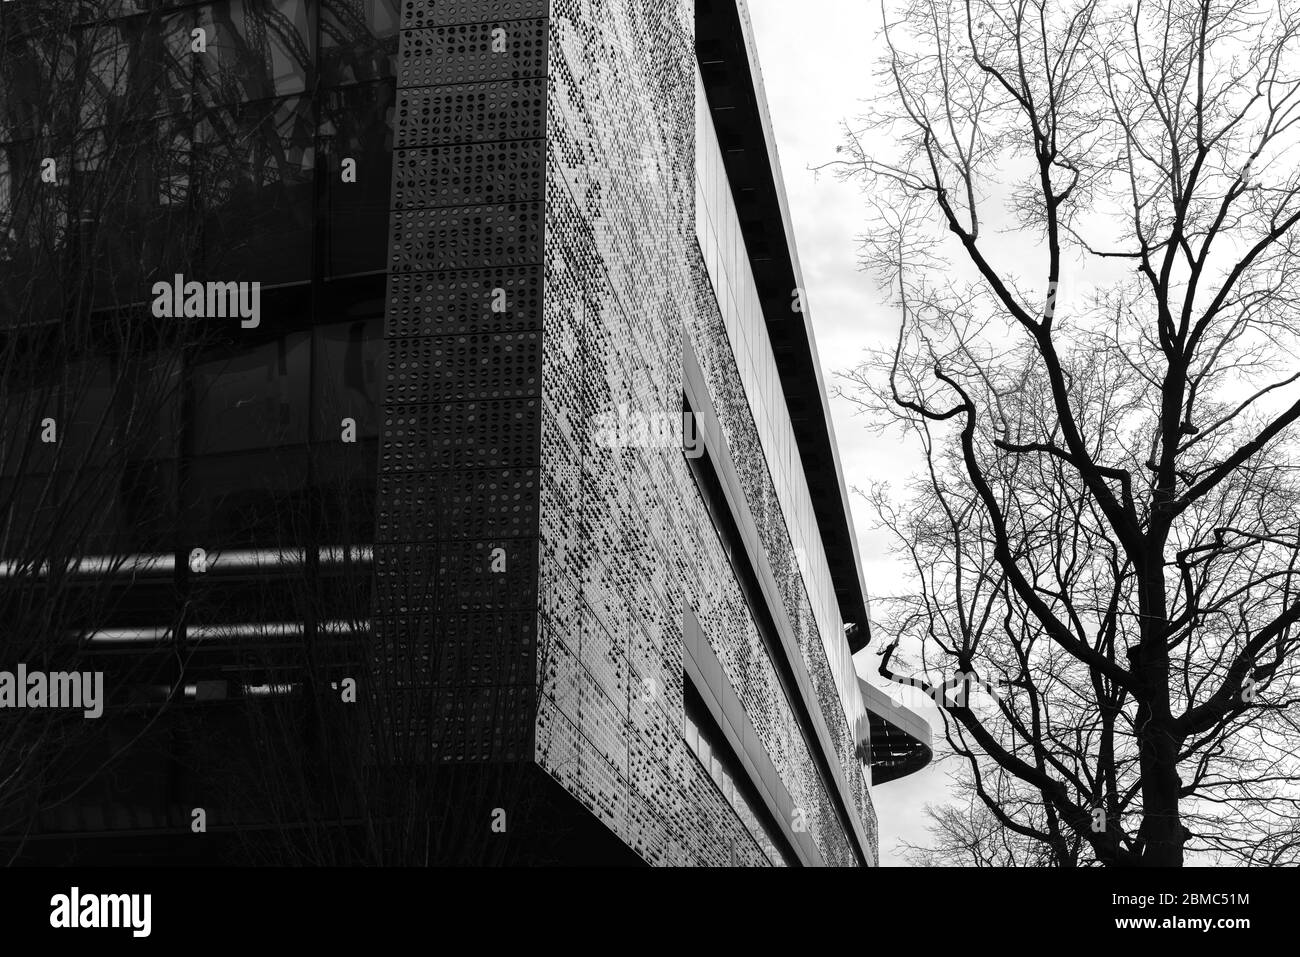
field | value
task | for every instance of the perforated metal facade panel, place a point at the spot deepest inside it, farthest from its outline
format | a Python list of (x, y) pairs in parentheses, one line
[(456, 560), (627, 543), (560, 173)]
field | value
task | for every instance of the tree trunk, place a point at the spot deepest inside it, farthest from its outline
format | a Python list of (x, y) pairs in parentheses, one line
[(1162, 830)]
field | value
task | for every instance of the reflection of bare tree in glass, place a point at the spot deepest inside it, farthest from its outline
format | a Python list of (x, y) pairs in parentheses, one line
[(94, 195)]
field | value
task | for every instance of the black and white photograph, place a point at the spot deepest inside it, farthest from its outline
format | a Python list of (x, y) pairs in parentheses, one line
[(451, 443)]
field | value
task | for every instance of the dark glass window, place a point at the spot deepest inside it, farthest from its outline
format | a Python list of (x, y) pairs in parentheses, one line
[(149, 413), (358, 124), (111, 472), (258, 164), (23, 87), (135, 68), (86, 413), (358, 40), (345, 483), (348, 378), (135, 218), (24, 407), (254, 399), (257, 50), (255, 499), (126, 509), (30, 506)]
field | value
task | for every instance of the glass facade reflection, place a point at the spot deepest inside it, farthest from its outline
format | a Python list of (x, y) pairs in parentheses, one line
[(249, 137), (127, 156)]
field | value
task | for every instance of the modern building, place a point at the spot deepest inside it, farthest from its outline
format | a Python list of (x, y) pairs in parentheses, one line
[(523, 460)]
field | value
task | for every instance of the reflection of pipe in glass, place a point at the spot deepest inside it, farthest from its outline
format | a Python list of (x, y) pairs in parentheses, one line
[(268, 691), (193, 691), (164, 563), (217, 691), (264, 630)]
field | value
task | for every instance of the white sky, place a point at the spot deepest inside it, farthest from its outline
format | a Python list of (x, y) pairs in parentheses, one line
[(817, 58)]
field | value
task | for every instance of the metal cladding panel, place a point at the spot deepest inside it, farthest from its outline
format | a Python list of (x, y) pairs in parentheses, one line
[(627, 544), (458, 498), (543, 271)]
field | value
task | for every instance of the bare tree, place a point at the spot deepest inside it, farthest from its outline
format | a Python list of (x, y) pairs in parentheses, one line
[(1088, 221), (969, 834)]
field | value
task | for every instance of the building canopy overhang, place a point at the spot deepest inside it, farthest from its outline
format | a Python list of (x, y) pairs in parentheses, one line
[(900, 738)]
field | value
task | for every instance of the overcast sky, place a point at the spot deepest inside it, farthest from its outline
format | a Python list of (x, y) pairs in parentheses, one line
[(817, 58)]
